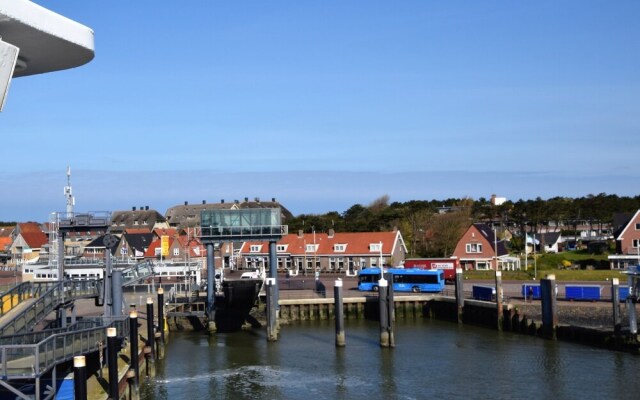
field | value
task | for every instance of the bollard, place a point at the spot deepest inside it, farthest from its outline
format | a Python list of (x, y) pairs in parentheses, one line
[(150, 330), (459, 294), (112, 361), (79, 378), (161, 313), (133, 342), (549, 306), (384, 312), (339, 313), (272, 332), (499, 314), (615, 299)]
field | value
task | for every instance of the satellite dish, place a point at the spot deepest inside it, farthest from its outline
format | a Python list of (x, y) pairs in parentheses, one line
[(110, 241)]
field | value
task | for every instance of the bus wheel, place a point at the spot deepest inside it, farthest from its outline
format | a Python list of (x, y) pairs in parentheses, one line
[(415, 289), (375, 288)]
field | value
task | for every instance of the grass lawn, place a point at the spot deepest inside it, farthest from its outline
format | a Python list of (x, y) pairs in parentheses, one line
[(567, 266)]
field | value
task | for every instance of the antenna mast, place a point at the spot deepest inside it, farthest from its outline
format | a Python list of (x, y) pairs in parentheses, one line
[(71, 201)]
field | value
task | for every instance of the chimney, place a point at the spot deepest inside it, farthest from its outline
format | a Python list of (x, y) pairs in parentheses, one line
[(186, 203), (273, 199), (257, 199), (146, 208), (331, 233), (133, 208), (236, 201), (204, 202), (246, 199), (221, 201), (300, 233)]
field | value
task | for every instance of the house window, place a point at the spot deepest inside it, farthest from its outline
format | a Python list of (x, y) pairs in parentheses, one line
[(336, 264), (311, 248), (474, 248), (375, 247), (339, 247), (176, 251), (636, 243), (482, 265), (255, 248), (281, 248), (135, 222)]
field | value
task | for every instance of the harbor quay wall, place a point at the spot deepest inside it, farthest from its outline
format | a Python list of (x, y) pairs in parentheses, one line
[(475, 312)]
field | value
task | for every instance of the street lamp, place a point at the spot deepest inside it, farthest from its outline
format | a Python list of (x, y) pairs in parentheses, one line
[(524, 216)]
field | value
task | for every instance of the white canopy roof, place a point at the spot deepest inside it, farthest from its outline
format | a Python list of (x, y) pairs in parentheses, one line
[(47, 41)]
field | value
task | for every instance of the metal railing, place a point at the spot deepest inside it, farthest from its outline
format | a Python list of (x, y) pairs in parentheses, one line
[(19, 361), (14, 296), (48, 296)]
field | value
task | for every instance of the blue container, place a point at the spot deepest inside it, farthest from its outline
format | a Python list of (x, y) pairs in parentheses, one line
[(583, 292), (531, 291), (485, 293), (623, 292)]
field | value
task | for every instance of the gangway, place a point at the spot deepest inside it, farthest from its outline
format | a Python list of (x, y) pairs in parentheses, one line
[(29, 355), (137, 273), (33, 361)]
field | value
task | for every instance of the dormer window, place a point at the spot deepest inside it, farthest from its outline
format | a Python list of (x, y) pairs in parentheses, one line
[(375, 247), (339, 248), (255, 248), (281, 248), (135, 222), (311, 248)]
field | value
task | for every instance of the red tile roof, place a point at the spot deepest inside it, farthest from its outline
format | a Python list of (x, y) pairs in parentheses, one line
[(35, 240)]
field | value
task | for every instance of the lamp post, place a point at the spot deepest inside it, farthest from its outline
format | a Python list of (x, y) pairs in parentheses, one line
[(524, 216)]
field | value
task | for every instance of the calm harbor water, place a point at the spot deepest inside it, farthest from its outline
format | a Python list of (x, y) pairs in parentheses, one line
[(432, 359)]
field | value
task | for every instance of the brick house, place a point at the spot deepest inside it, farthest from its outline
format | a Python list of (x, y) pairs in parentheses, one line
[(627, 237), (476, 250), (326, 252)]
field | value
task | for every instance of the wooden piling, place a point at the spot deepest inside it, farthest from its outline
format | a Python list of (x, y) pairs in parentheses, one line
[(339, 313), (548, 292), (615, 300), (459, 294)]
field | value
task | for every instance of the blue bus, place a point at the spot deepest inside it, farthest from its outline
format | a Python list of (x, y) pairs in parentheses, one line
[(404, 280)]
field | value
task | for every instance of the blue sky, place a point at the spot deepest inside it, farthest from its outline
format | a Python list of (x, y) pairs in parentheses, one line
[(327, 104)]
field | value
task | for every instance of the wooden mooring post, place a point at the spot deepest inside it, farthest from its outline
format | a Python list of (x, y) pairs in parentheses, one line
[(499, 314), (339, 313), (548, 293), (459, 294), (615, 300), (80, 378), (272, 328)]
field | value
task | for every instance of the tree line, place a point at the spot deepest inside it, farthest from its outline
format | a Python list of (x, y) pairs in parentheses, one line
[(432, 228)]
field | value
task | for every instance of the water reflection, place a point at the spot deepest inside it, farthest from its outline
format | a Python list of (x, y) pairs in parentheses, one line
[(431, 360)]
